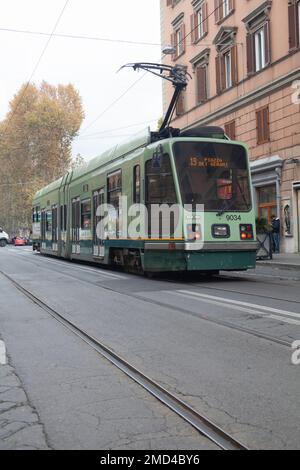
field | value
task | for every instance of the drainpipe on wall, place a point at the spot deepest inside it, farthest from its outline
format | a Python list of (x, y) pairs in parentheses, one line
[(278, 172)]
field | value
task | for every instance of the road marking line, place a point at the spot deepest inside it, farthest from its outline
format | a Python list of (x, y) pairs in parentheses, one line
[(3, 359), (285, 319), (240, 303)]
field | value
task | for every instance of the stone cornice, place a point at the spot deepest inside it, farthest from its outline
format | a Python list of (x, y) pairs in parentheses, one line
[(247, 99)]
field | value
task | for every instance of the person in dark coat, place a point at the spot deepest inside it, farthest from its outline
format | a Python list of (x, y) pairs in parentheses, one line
[(276, 233)]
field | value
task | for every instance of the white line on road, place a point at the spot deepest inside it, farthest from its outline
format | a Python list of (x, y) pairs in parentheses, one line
[(269, 312), (3, 360)]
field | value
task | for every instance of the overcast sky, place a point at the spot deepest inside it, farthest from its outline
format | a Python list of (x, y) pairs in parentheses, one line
[(90, 65)]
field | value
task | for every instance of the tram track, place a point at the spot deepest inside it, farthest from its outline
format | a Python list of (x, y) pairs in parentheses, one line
[(201, 316), (198, 421)]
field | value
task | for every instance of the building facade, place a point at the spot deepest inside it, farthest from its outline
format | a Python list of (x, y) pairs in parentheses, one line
[(244, 58)]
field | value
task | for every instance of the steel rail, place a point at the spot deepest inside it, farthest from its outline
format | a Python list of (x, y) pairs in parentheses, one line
[(158, 303), (202, 424)]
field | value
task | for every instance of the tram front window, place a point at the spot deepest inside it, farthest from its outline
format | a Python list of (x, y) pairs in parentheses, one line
[(213, 174)]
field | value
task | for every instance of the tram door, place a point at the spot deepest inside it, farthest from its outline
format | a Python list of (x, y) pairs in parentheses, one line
[(98, 243), (76, 226)]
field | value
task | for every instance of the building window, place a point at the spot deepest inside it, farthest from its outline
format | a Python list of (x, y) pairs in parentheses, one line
[(294, 24), (201, 74), (260, 49), (200, 67), (178, 37), (267, 205), (258, 38), (226, 69), (223, 8), (263, 125), (230, 130), (199, 22)]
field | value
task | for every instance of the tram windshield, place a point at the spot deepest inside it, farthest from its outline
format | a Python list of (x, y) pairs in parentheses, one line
[(213, 174)]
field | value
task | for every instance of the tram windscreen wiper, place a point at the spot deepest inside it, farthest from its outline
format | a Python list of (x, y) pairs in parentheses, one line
[(225, 207)]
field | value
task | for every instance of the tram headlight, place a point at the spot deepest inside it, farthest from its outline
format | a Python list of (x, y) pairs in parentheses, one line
[(221, 231)]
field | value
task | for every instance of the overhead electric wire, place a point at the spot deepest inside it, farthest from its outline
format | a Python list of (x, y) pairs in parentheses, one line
[(76, 36), (128, 89)]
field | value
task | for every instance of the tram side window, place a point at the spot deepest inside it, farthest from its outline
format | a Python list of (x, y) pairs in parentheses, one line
[(49, 221), (36, 214), (75, 219), (54, 224), (43, 224), (160, 188), (86, 213), (136, 184), (98, 200), (114, 192)]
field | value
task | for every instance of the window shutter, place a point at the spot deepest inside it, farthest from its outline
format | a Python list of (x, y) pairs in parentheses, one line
[(180, 105), (193, 28), (197, 27), (223, 73), (231, 5), (267, 42), (266, 124), (234, 65), (218, 74), (221, 11), (250, 53), (201, 85), (259, 127), (217, 11), (169, 3), (293, 27), (263, 125), (230, 130), (205, 17), (173, 44), (183, 37)]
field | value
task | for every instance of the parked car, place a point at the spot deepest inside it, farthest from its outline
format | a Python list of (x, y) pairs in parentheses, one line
[(4, 238), (20, 241)]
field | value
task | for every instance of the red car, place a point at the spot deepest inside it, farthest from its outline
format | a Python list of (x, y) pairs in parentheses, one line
[(19, 241)]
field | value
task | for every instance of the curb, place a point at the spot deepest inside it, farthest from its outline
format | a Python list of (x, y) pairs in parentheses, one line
[(292, 267)]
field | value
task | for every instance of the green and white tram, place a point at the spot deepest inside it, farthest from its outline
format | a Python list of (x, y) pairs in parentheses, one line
[(196, 168), (190, 190)]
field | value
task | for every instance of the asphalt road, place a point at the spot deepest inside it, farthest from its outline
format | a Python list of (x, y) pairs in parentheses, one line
[(224, 345)]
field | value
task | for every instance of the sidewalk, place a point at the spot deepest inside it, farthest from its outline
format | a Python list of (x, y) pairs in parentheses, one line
[(283, 260)]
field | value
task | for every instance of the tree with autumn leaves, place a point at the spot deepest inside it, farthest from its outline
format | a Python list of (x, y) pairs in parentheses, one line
[(35, 146)]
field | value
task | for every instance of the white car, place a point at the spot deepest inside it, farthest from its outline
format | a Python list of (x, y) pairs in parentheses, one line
[(4, 238)]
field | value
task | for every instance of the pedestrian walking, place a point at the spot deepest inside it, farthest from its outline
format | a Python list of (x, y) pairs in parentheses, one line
[(276, 233)]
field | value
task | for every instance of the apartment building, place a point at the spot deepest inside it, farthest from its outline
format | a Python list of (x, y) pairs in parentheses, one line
[(244, 58)]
